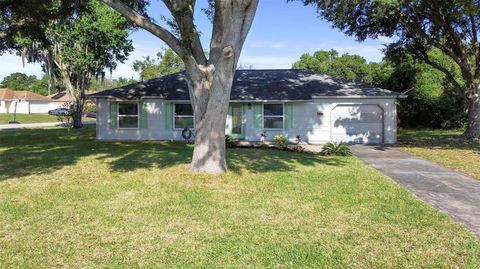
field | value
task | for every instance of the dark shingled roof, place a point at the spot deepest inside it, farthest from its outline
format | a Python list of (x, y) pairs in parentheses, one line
[(253, 85)]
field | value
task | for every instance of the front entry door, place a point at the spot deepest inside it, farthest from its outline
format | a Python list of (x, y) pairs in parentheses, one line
[(236, 121)]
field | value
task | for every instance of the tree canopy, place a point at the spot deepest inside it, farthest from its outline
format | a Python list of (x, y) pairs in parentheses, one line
[(79, 48), (208, 73), (347, 67), (432, 102), (418, 27), (167, 62), (20, 81)]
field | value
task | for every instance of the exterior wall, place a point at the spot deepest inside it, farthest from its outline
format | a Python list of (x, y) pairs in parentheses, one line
[(4, 106), (23, 107), (41, 107), (28, 107), (311, 121)]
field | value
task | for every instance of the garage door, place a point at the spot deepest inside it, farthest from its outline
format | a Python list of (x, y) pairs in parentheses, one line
[(39, 107), (357, 124)]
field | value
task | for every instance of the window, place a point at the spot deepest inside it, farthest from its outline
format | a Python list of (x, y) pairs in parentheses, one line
[(273, 116), (183, 116), (127, 115)]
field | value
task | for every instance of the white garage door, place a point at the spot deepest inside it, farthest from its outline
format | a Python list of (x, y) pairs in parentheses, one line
[(39, 107), (357, 124)]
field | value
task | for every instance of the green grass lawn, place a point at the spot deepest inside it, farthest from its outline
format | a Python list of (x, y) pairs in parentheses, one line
[(27, 118), (67, 200), (446, 147)]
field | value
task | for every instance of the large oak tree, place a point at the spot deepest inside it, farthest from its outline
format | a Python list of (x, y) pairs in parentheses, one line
[(74, 40), (419, 26), (209, 79)]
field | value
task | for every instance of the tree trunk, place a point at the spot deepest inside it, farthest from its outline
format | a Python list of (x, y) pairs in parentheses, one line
[(209, 81), (211, 107), (473, 119), (77, 112), (78, 96)]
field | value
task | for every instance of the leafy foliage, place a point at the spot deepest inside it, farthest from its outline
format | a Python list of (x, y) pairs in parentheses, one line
[(432, 101), (420, 27), (80, 48), (229, 142), (167, 62), (100, 84), (350, 67), (30, 17), (20, 81), (281, 141), (336, 149)]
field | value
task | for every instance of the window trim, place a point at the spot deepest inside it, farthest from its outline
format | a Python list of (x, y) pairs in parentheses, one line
[(132, 116), (182, 116), (282, 116)]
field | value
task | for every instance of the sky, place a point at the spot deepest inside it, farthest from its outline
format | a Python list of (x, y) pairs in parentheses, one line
[(280, 33)]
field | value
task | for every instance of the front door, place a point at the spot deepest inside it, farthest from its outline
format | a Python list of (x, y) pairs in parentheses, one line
[(236, 121)]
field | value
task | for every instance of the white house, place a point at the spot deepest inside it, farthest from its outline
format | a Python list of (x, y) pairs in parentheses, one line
[(298, 104), (25, 102)]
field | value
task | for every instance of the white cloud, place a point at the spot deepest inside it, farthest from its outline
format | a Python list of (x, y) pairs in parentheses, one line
[(267, 45)]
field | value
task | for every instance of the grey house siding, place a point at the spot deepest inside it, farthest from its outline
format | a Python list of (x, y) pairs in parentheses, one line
[(312, 121)]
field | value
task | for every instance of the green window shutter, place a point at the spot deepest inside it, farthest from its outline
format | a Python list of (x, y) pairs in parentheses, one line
[(113, 115), (288, 115), (168, 115), (143, 115), (257, 115)]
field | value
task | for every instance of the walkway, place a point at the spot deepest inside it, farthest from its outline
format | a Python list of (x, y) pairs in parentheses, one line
[(451, 192), (36, 125)]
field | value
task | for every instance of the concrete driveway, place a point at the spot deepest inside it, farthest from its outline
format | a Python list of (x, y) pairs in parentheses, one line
[(451, 192)]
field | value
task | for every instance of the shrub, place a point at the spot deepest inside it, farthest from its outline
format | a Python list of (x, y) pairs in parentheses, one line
[(229, 143), (281, 141), (336, 149), (91, 108)]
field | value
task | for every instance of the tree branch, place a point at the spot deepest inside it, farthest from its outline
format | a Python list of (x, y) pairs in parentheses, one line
[(458, 88), (183, 14), (457, 43), (146, 24)]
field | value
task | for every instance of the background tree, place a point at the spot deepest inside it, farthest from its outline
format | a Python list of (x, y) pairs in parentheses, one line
[(451, 27), (30, 17), (431, 102), (167, 62), (101, 84), (18, 81), (81, 48), (347, 67), (209, 79)]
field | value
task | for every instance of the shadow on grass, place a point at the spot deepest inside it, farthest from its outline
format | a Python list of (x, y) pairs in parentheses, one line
[(40, 151), (439, 139)]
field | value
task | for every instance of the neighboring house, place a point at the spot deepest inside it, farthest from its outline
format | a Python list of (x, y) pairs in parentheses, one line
[(63, 99), (26, 102), (316, 108)]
